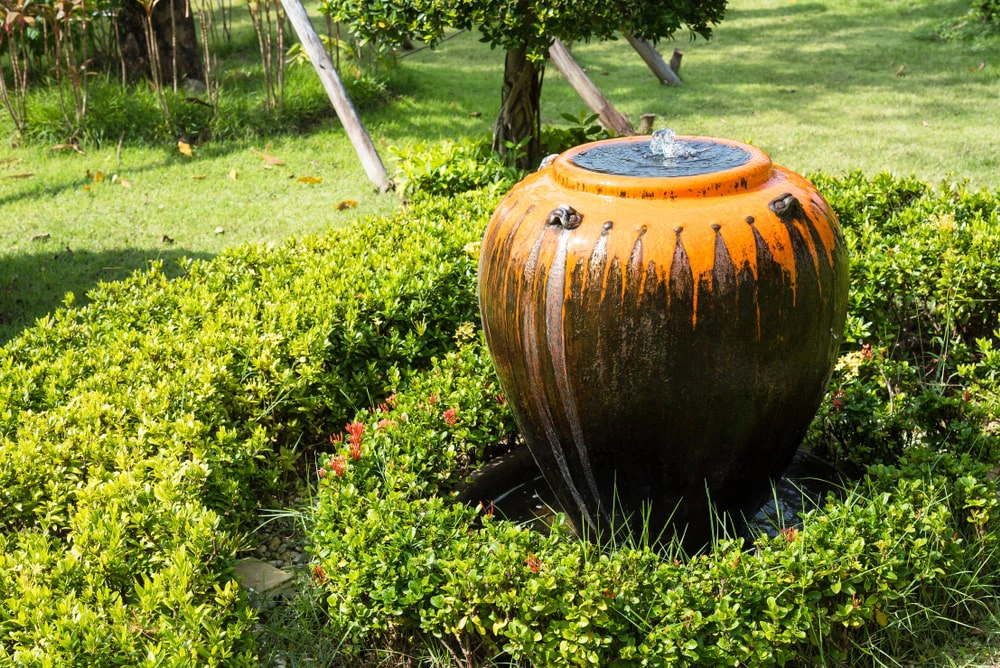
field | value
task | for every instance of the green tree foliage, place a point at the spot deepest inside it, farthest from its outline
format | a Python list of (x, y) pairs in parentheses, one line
[(524, 29)]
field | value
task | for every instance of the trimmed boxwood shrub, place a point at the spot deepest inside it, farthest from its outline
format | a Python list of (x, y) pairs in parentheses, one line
[(905, 555), (139, 434), (402, 558)]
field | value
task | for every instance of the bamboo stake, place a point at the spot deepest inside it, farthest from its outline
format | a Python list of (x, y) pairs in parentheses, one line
[(342, 104), (654, 60), (610, 117)]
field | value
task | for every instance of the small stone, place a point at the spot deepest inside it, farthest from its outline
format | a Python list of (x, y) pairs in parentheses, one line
[(260, 576)]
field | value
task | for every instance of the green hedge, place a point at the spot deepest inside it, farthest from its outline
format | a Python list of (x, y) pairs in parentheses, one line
[(908, 546), (139, 434), (904, 557)]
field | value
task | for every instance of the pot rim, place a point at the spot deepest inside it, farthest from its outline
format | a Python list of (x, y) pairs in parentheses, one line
[(751, 174)]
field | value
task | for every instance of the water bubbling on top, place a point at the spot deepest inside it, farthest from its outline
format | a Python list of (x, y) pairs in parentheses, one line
[(662, 156)]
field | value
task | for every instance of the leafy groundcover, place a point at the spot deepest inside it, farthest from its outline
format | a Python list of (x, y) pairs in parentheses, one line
[(140, 434)]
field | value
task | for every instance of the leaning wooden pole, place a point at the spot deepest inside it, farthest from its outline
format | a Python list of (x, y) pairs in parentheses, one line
[(342, 104), (610, 118), (654, 60)]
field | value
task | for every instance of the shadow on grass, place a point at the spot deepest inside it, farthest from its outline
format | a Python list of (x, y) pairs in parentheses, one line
[(35, 284), (783, 58)]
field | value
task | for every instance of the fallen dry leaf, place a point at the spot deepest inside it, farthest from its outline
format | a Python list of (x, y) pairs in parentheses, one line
[(185, 148), (197, 177), (61, 147), (220, 230), (40, 237), (98, 177), (166, 239), (269, 159), (232, 174), (899, 72), (476, 114), (125, 182), (345, 204), (310, 179), (19, 176)]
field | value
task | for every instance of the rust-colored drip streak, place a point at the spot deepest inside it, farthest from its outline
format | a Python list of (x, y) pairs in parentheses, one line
[(505, 248), (770, 272), (723, 271), (828, 230), (555, 300), (537, 382), (597, 265), (634, 272), (681, 288)]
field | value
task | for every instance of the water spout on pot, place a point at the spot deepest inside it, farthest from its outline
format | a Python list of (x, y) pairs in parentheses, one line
[(663, 144)]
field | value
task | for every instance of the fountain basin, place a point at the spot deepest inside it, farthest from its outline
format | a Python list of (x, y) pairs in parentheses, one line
[(663, 341)]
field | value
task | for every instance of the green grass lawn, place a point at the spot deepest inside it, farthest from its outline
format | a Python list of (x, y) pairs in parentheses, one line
[(833, 86), (814, 84)]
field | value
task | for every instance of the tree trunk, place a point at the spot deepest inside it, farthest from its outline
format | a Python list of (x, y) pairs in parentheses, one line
[(519, 119), (176, 43)]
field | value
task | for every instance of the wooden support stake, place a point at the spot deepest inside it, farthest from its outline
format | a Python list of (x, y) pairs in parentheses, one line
[(342, 104), (675, 61), (646, 124), (610, 118), (654, 61)]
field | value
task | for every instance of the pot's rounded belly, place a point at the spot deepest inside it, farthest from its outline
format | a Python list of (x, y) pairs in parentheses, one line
[(653, 348)]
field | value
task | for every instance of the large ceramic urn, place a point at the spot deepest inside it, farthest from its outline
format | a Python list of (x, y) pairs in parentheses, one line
[(664, 324)]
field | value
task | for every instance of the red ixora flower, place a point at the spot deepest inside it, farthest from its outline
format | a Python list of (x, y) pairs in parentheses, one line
[(338, 464), (319, 575), (838, 401), (790, 533), (355, 430), (450, 416), (533, 564)]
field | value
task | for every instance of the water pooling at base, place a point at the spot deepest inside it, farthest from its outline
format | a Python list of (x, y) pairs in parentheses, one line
[(662, 156)]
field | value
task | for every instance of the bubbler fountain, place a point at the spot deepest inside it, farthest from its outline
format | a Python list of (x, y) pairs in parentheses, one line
[(664, 315)]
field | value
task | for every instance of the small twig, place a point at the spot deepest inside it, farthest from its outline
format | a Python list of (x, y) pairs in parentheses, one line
[(427, 46), (118, 153)]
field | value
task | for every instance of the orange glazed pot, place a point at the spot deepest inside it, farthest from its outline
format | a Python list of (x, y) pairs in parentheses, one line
[(663, 341)]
